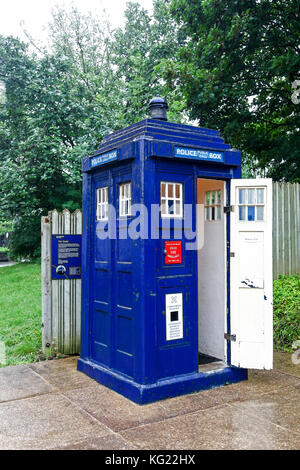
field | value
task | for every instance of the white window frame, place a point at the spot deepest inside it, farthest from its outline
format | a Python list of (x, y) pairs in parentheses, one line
[(165, 199), (211, 204), (255, 204), (102, 203), (125, 198)]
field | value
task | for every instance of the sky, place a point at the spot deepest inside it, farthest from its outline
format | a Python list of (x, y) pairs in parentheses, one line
[(36, 14)]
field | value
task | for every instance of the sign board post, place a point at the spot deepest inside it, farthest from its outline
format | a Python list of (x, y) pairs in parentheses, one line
[(61, 282)]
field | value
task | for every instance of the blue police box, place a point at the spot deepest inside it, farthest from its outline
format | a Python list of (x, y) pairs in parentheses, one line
[(157, 313)]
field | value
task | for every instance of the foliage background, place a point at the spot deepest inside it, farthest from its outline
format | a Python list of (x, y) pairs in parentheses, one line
[(226, 65), (286, 300)]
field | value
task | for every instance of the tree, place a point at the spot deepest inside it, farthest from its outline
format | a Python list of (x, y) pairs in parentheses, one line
[(60, 102), (137, 50), (236, 70), (36, 139)]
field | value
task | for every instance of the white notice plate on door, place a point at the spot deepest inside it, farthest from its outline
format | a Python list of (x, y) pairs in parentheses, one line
[(174, 316)]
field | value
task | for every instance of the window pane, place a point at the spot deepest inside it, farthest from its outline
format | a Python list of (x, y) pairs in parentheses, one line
[(212, 213), (177, 191), (242, 212), (207, 213), (170, 190), (170, 207), (207, 199), (163, 189), (251, 196), (213, 197), (163, 207), (251, 213), (260, 196), (177, 208), (242, 197), (260, 212), (219, 197), (218, 212)]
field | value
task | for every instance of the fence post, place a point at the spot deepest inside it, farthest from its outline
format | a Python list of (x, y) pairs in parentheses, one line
[(46, 284)]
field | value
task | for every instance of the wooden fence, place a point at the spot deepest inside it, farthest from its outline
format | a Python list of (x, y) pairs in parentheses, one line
[(286, 229), (61, 299)]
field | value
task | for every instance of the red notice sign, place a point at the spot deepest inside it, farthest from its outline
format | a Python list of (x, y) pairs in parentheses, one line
[(173, 252)]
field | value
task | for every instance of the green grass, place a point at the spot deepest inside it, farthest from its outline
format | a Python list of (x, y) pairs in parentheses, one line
[(286, 300), (20, 312)]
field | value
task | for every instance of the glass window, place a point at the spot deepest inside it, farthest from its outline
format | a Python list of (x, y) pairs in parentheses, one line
[(242, 212), (171, 200), (102, 203), (213, 201), (251, 204), (125, 199), (260, 196), (260, 213), (251, 213), (251, 196), (242, 196)]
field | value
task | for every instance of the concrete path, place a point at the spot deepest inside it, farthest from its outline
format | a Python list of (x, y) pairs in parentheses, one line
[(4, 264), (49, 405)]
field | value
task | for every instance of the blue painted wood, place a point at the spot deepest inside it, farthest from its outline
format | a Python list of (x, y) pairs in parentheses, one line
[(86, 266), (125, 281)]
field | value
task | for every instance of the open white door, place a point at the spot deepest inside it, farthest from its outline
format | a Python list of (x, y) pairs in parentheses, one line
[(251, 276)]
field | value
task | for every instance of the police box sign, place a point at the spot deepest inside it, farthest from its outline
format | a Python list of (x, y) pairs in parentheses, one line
[(104, 158), (196, 154)]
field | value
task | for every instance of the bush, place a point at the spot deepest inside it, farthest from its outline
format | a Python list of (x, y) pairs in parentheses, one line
[(286, 299), (26, 238)]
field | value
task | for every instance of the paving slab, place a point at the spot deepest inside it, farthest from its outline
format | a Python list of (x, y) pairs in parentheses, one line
[(281, 408), (112, 409), (223, 427), (50, 405), (18, 382), (110, 442), (62, 373), (45, 422)]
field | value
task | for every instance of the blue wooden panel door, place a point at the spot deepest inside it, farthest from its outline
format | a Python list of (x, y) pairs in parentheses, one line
[(100, 322), (177, 356), (112, 310)]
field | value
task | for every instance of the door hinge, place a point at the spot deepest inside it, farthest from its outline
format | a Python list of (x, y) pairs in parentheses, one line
[(228, 209), (229, 337)]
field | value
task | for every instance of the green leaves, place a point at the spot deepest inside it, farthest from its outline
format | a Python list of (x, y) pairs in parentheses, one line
[(60, 103), (235, 71), (286, 299)]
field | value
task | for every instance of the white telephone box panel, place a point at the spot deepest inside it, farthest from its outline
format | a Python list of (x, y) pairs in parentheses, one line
[(251, 276)]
